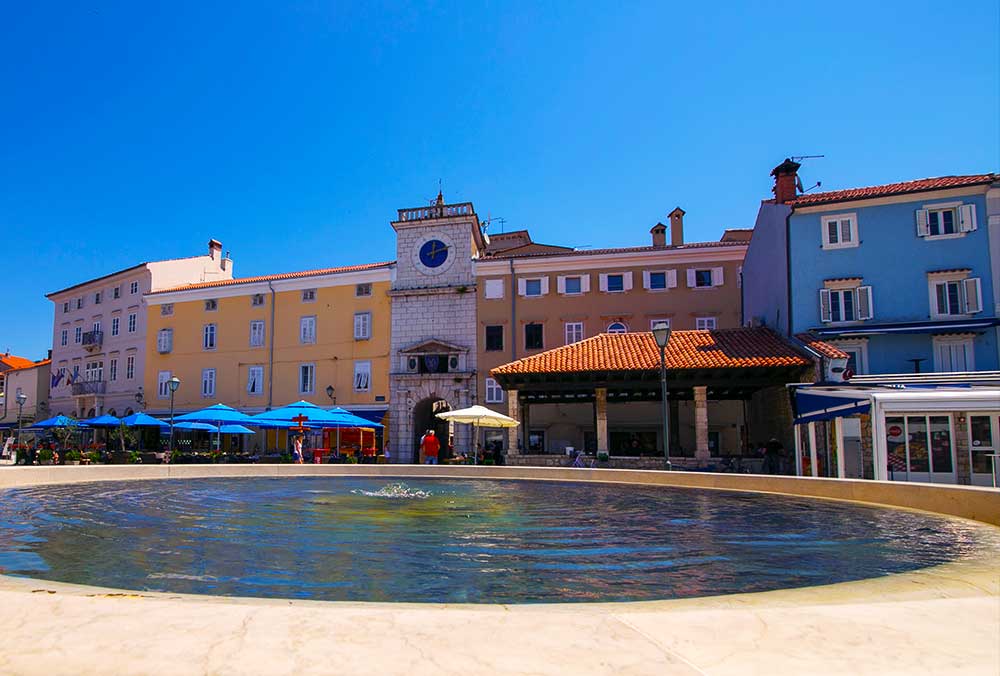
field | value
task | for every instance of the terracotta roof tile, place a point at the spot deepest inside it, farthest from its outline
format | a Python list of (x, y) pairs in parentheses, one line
[(274, 278), (14, 362), (719, 349), (620, 250), (31, 365), (921, 185), (822, 347)]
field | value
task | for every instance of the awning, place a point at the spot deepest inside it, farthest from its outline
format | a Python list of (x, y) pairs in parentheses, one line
[(945, 326), (827, 404), (375, 415)]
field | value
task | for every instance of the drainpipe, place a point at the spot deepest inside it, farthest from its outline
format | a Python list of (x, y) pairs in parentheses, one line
[(270, 357), (788, 270), (513, 313)]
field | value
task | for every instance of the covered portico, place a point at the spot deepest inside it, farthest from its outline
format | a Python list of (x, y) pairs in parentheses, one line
[(725, 393)]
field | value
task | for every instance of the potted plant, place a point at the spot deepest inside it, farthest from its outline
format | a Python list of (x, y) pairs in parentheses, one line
[(44, 456), (134, 458), (94, 457), (603, 456), (73, 457)]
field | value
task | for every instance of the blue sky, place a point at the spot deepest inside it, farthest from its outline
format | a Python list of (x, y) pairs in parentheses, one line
[(293, 131)]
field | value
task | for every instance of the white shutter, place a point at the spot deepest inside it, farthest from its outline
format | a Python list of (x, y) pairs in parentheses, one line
[(845, 231), (824, 306), (671, 279), (973, 295), (545, 285), (717, 276), (585, 284), (864, 304), (604, 282), (627, 281), (691, 279), (967, 218), (520, 286), (561, 284), (645, 279), (923, 227)]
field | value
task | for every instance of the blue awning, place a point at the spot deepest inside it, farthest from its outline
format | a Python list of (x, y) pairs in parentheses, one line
[(943, 326), (375, 415), (816, 406)]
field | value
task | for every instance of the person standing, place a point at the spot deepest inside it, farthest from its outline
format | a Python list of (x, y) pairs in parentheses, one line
[(772, 457), (297, 450), (430, 446)]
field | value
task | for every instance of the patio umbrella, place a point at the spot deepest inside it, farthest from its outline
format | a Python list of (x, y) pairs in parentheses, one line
[(191, 426), (216, 415), (58, 421), (102, 421), (315, 416), (478, 416), (143, 420), (235, 429)]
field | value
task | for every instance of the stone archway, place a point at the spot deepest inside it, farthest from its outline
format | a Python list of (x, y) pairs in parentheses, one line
[(425, 418)]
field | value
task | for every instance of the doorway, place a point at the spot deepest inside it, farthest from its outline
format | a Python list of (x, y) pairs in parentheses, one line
[(919, 448), (984, 444), (425, 418)]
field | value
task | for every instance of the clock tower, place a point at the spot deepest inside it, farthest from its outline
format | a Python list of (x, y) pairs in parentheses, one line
[(433, 344)]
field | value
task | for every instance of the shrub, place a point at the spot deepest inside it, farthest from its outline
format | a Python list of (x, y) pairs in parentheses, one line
[(73, 456), (44, 455), (134, 458), (602, 456), (94, 457)]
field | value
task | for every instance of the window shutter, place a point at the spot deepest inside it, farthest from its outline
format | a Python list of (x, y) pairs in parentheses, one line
[(672, 279), (845, 231), (973, 295), (717, 276), (864, 304), (824, 306), (561, 284), (604, 282), (967, 217), (545, 285), (627, 281), (691, 280), (520, 286), (923, 227), (584, 283), (645, 279)]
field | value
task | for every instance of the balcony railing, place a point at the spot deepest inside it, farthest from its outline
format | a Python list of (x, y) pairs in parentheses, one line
[(89, 387), (436, 211), (93, 339)]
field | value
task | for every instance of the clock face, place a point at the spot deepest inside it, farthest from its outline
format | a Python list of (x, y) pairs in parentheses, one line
[(433, 253)]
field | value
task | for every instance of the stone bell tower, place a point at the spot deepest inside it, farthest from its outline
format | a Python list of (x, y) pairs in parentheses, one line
[(433, 345)]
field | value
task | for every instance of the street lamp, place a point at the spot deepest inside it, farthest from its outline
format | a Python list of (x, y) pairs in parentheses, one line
[(20, 399), (139, 399), (661, 333), (329, 393), (172, 384)]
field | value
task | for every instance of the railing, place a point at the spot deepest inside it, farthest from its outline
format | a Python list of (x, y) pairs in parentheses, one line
[(436, 211), (89, 387), (92, 339)]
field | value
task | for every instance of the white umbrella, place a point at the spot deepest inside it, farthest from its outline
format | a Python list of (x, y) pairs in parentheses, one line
[(478, 416)]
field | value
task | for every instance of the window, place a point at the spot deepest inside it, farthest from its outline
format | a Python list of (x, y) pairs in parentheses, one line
[(956, 296), (257, 300), (615, 283), (857, 354), (66, 307), (533, 337), (362, 290), (845, 304), (113, 370), (574, 332), (654, 322), (536, 441), (946, 220), (165, 341), (208, 382), (307, 378), (702, 278), (116, 325), (208, 337), (97, 326), (494, 393), (94, 371), (98, 297), (572, 285), (78, 335), (494, 338), (362, 325), (133, 288), (840, 231), (532, 287), (309, 295), (79, 303), (704, 323), (954, 353), (307, 330), (255, 380), (211, 305), (493, 289), (705, 278), (657, 281), (63, 337), (131, 323), (617, 327), (130, 367), (166, 309), (116, 292), (362, 376), (257, 333), (162, 388)]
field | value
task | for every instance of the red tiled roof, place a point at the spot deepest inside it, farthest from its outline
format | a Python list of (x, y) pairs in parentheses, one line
[(32, 365), (719, 349), (621, 250), (274, 278), (826, 349), (921, 185), (14, 362)]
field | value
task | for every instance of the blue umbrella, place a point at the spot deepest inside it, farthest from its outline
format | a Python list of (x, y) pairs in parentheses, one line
[(316, 416), (143, 420), (102, 421), (58, 421), (190, 426), (356, 420), (235, 429), (217, 414)]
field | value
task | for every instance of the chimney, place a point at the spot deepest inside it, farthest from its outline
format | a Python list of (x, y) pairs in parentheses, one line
[(214, 247), (676, 226), (785, 179), (659, 232)]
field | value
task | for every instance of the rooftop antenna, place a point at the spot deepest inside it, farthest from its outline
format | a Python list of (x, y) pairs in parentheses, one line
[(798, 181)]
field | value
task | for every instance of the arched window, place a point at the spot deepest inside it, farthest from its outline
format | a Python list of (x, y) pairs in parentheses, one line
[(617, 327), (128, 412), (91, 413), (112, 413), (73, 415)]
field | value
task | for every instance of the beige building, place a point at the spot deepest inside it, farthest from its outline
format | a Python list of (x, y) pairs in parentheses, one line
[(99, 333), (30, 379)]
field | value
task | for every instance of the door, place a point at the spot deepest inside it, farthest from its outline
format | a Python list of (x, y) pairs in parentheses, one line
[(853, 461), (984, 442), (920, 448)]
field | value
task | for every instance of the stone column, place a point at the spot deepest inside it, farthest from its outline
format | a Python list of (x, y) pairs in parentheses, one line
[(525, 426), (601, 414), (514, 411), (701, 452)]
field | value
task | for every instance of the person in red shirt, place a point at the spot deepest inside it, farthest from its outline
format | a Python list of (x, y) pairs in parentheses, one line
[(430, 445)]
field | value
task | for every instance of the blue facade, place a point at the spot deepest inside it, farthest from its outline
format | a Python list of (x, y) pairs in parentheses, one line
[(902, 270)]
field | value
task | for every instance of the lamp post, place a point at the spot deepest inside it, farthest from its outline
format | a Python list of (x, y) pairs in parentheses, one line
[(139, 399), (330, 392), (661, 333), (172, 384), (20, 399)]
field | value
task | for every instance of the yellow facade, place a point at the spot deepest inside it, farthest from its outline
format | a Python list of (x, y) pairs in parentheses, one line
[(332, 298)]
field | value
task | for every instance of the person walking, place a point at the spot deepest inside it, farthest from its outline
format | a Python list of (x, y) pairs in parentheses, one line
[(297, 450), (430, 445)]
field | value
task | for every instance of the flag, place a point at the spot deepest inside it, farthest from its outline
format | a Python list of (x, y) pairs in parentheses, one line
[(56, 377)]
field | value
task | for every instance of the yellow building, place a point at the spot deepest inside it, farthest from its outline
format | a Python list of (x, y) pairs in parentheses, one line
[(263, 342)]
